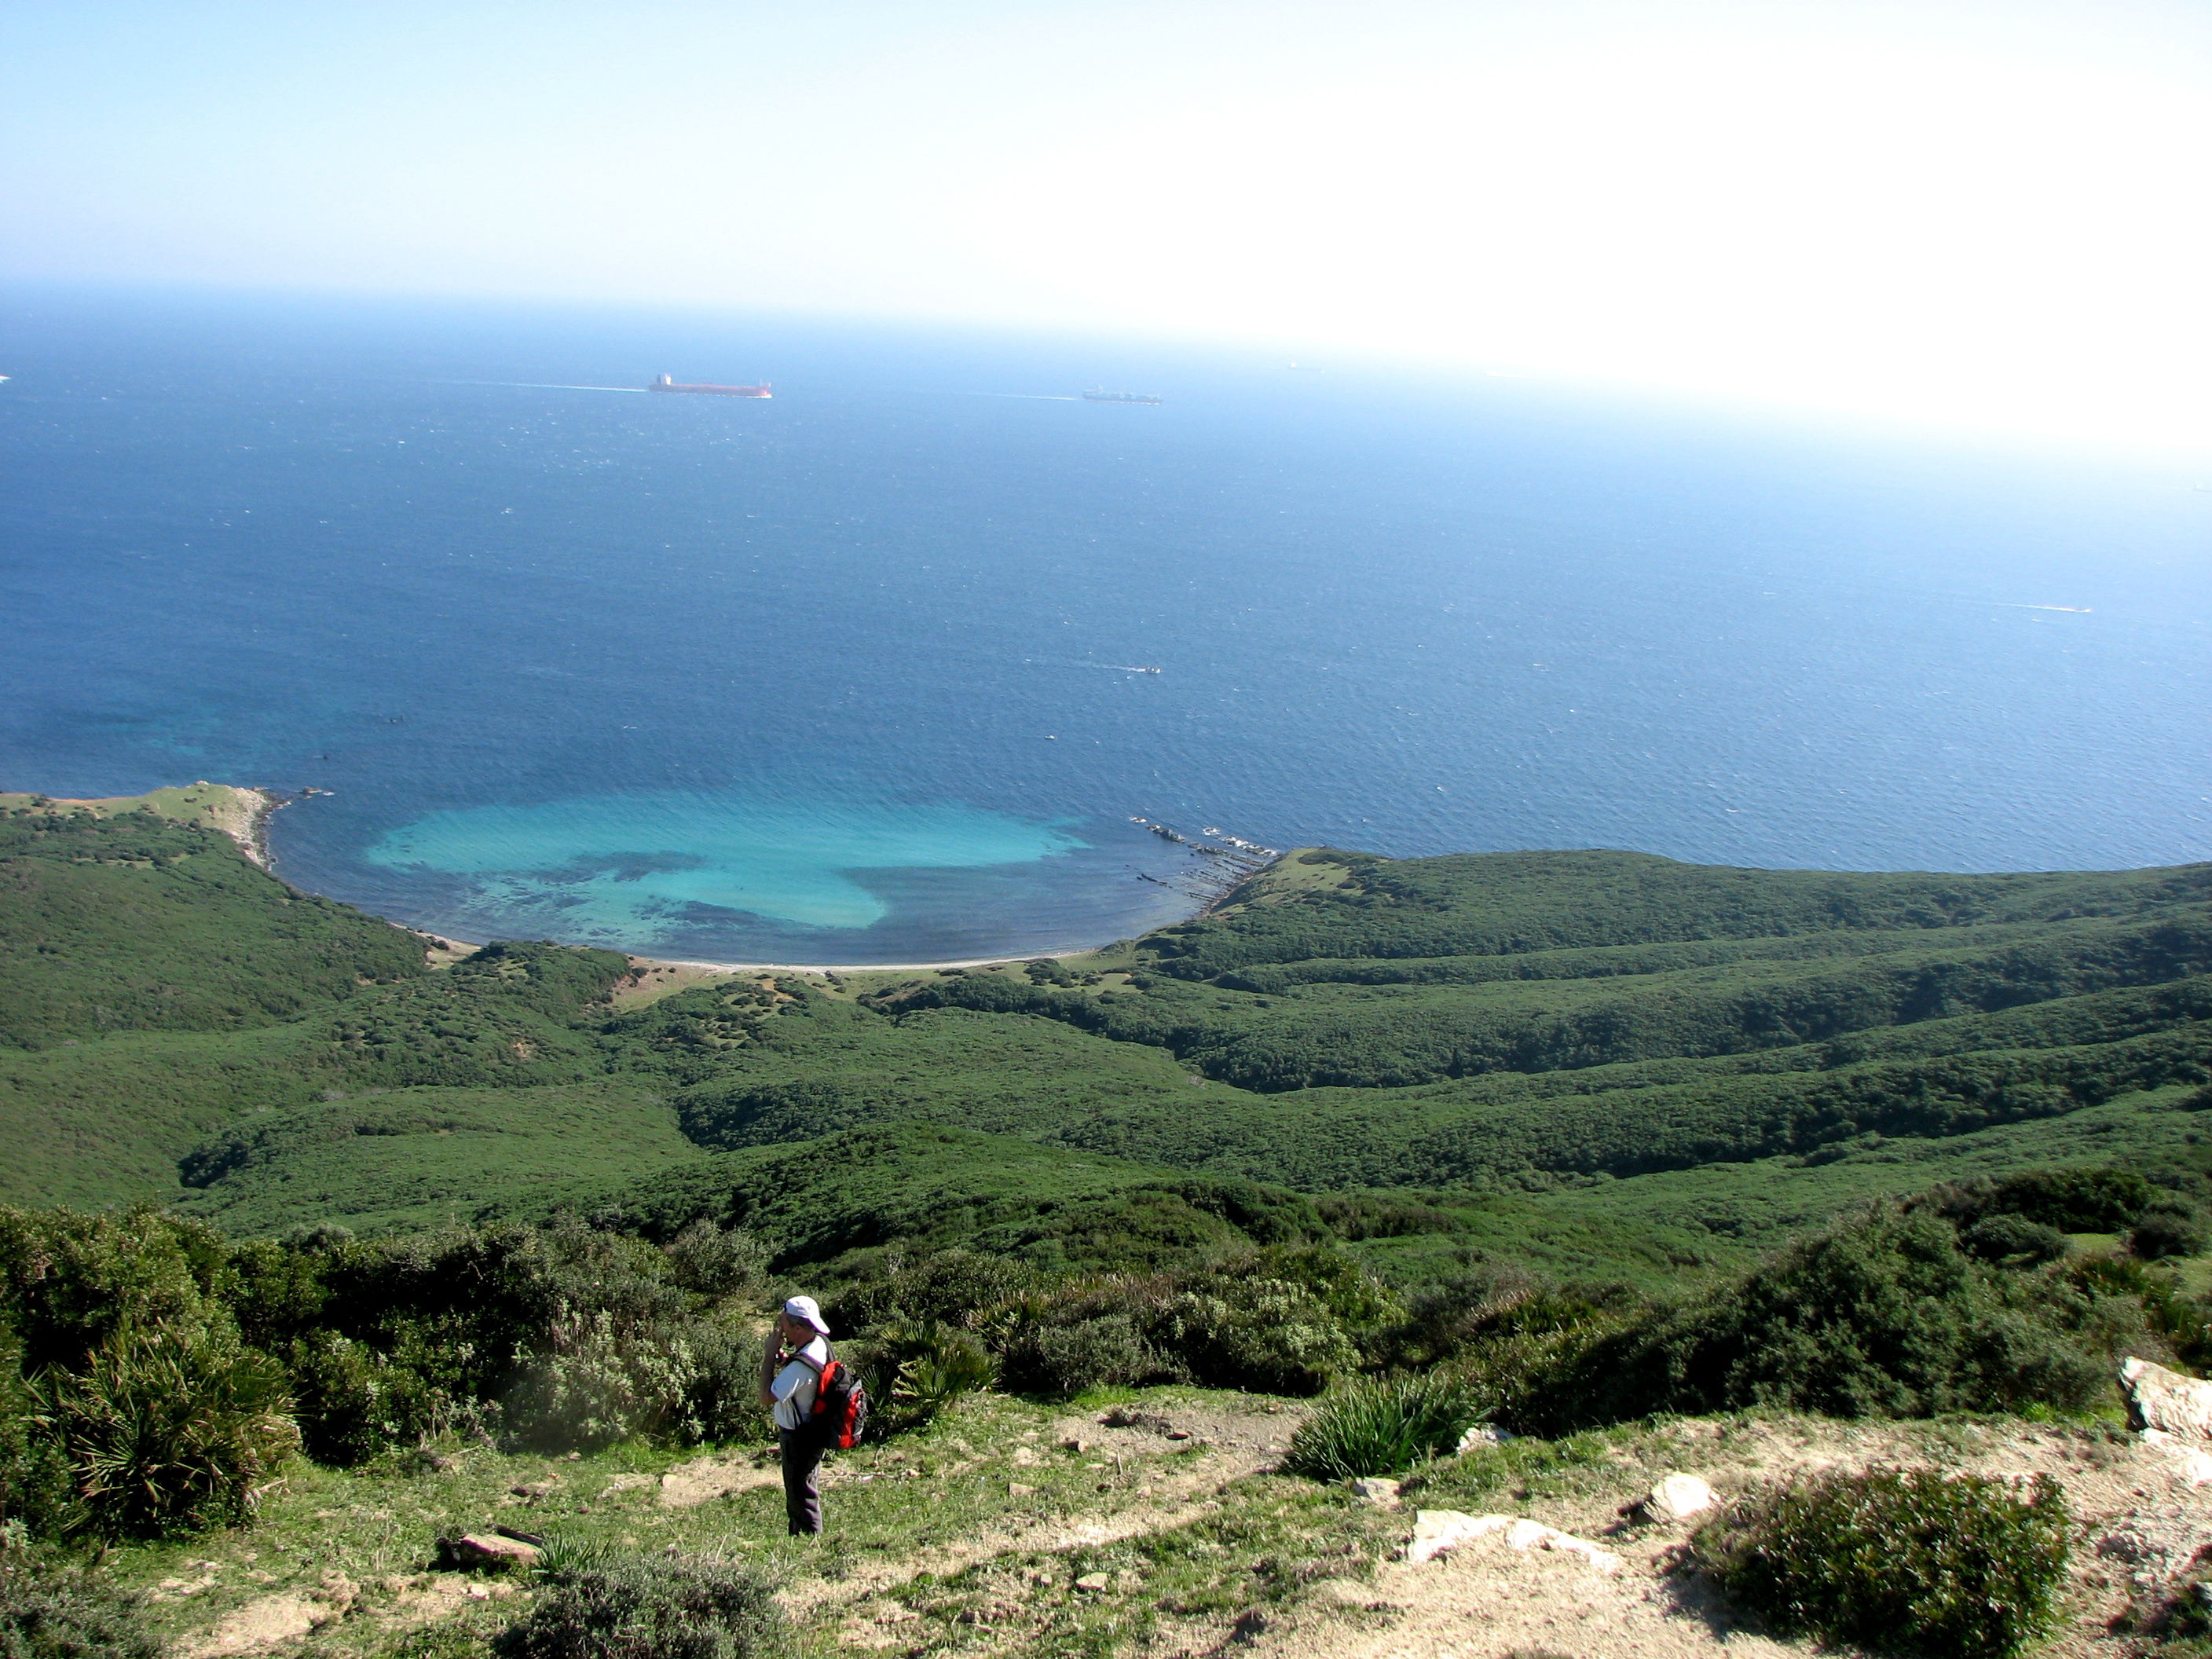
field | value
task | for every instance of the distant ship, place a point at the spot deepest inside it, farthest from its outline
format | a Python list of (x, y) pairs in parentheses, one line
[(1098, 394), (667, 383)]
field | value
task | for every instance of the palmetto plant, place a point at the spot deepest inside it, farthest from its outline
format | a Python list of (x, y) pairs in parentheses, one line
[(1382, 1425), (166, 1432)]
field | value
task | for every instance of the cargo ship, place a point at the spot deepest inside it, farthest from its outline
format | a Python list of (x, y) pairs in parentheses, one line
[(668, 383), (1098, 394)]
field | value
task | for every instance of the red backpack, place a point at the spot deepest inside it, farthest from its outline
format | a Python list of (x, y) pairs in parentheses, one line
[(840, 1416)]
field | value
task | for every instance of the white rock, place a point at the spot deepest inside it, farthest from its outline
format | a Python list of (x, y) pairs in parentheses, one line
[(1374, 1490), (1436, 1531), (1481, 1435), (1596, 1556), (1678, 1497), (2166, 1401), (2184, 1462)]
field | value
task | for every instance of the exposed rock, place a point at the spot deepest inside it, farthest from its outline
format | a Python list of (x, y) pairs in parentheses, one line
[(1375, 1491), (1437, 1531), (1481, 1435), (2184, 1461), (1677, 1498), (2166, 1401), (481, 1549), (1093, 1583)]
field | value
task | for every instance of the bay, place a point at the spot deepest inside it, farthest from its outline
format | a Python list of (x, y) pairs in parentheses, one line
[(861, 673)]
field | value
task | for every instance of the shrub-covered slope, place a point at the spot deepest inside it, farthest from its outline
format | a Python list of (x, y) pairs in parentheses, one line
[(1500, 1027), (137, 923)]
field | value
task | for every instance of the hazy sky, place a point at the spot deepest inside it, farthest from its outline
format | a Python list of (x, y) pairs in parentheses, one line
[(1992, 213)]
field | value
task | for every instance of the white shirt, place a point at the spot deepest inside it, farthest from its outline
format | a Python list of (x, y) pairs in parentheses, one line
[(795, 1385)]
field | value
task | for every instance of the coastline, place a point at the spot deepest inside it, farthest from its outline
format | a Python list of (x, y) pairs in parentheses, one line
[(241, 813)]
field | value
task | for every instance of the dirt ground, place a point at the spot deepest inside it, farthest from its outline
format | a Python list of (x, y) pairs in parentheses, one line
[(2140, 1522)]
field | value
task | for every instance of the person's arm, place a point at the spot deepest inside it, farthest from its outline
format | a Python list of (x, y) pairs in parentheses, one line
[(769, 1368)]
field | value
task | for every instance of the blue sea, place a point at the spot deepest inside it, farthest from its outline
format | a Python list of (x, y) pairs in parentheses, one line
[(852, 675)]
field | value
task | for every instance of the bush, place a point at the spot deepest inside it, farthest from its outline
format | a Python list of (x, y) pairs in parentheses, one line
[(71, 1282), (1354, 1296), (51, 1612), (1108, 1351), (2167, 1231), (1910, 1561), (2013, 1241), (1382, 1426), (596, 1382), (2067, 1200), (1264, 1335), (913, 1372), (722, 1264), (943, 1287), (353, 1402), (1884, 1317), (164, 1433), (647, 1608)]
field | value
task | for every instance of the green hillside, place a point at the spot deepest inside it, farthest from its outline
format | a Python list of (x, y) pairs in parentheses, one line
[(1606, 1060), (139, 923)]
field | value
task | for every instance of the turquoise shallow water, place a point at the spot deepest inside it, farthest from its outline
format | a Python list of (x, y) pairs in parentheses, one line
[(851, 675), (643, 871)]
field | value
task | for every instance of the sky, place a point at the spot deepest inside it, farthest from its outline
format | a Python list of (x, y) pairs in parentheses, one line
[(1988, 214)]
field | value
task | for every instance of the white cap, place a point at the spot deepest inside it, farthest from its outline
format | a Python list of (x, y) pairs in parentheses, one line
[(806, 1311)]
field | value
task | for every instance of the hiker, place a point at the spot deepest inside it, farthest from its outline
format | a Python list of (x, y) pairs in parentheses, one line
[(791, 1372)]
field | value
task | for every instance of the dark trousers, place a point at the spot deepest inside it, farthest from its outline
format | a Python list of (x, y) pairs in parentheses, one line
[(802, 1498)]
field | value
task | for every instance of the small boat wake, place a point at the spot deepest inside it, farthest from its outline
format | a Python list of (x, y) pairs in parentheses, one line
[(1110, 667), (539, 386)]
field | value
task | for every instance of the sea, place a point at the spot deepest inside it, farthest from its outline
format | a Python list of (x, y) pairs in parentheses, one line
[(906, 664)]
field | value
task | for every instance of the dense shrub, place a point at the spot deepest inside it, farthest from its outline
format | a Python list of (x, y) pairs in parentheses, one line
[(1355, 1297), (2167, 1230), (593, 1382), (913, 1372), (1382, 1425), (52, 1612), (2066, 1201), (649, 1609), (73, 1281), (163, 1433), (1914, 1562), (2014, 1240), (1459, 1320), (577, 1334), (1266, 1334), (725, 1264), (941, 1287), (2181, 1322), (1884, 1316), (1105, 1351)]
